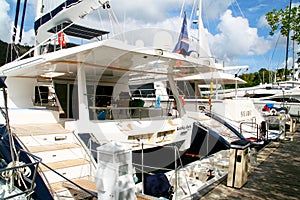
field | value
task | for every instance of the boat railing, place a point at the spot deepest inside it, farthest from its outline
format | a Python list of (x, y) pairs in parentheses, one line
[(126, 106), (176, 167), (144, 93), (23, 173), (141, 167), (70, 181), (113, 113), (252, 124)]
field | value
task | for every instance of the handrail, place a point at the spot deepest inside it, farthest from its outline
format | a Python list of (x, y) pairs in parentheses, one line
[(131, 112), (40, 161), (85, 190), (251, 123)]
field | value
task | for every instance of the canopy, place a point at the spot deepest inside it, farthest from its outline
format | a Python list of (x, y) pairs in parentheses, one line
[(107, 59), (216, 77)]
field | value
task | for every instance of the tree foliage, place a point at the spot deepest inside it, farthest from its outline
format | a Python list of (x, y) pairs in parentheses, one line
[(285, 20), (7, 54), (262, 76)]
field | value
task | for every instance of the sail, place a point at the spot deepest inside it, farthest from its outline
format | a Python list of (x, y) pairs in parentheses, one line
[(182, 45), (203, 42)]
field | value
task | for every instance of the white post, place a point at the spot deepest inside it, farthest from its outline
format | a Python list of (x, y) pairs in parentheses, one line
[(236, 89), (82, 93), (175, 188), (142, 168), (174, 89)]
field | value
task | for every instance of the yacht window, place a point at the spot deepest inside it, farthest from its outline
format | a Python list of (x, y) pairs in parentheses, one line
[(146, 90)]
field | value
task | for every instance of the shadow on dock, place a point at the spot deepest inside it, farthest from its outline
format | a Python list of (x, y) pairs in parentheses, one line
[(276, 175)]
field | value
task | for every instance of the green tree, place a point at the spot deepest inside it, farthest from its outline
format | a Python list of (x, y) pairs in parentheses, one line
[(285, 20)]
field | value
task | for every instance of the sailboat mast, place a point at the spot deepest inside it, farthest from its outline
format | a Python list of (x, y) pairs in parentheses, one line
[(39, 14), (16, 21), (287, 43), (200, 36), (23, 19)]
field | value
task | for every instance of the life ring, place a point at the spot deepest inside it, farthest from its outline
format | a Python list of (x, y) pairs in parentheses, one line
[(182, 100)]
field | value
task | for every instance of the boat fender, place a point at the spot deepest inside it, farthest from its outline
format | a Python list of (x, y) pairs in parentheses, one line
[(182, 101), (273, 111)]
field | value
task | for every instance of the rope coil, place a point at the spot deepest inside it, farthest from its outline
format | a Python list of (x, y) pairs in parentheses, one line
[(17, 174)]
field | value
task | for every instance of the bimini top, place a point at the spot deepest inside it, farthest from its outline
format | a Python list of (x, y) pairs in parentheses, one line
[(69, 11), (77, 31), (216, 77)]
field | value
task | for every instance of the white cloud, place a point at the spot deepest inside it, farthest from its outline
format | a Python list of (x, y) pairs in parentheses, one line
[(5, 22), (236, 38), (295, 4), (289, 63), (145, 11), (262, 22), (28, 37), (216, 8), (257, 7)]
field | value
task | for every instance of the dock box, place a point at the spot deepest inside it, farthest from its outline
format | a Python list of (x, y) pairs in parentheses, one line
[(238, 164)]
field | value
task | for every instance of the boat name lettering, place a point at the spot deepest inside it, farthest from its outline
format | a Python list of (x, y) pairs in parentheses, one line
[(245, 113), (184, 127), (183, 133)]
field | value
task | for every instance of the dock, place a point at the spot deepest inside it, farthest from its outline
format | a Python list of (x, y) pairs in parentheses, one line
[(274, 176)]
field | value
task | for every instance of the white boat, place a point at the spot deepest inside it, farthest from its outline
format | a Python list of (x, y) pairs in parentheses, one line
[(59, 100), (281, 94), (187, 182), (231, 105), (284, 94)]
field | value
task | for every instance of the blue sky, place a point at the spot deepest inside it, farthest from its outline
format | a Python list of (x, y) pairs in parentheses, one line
[(237, 32)]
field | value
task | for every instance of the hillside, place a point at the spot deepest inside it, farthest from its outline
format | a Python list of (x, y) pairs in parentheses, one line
[(6, 55)]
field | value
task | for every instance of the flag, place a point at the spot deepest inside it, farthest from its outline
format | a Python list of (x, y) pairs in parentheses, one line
[(182, 45), (61, 39)]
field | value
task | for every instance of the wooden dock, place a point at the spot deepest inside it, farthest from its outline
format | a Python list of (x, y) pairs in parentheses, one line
[(276, 176)]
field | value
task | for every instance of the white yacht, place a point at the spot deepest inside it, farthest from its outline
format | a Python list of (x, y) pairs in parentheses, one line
[(281, 94), (60, 103)]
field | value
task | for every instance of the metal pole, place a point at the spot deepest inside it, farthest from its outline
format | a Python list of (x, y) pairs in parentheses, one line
[(142, 168), (287, 42), (175, 188), (10, 135), (22, 22)]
